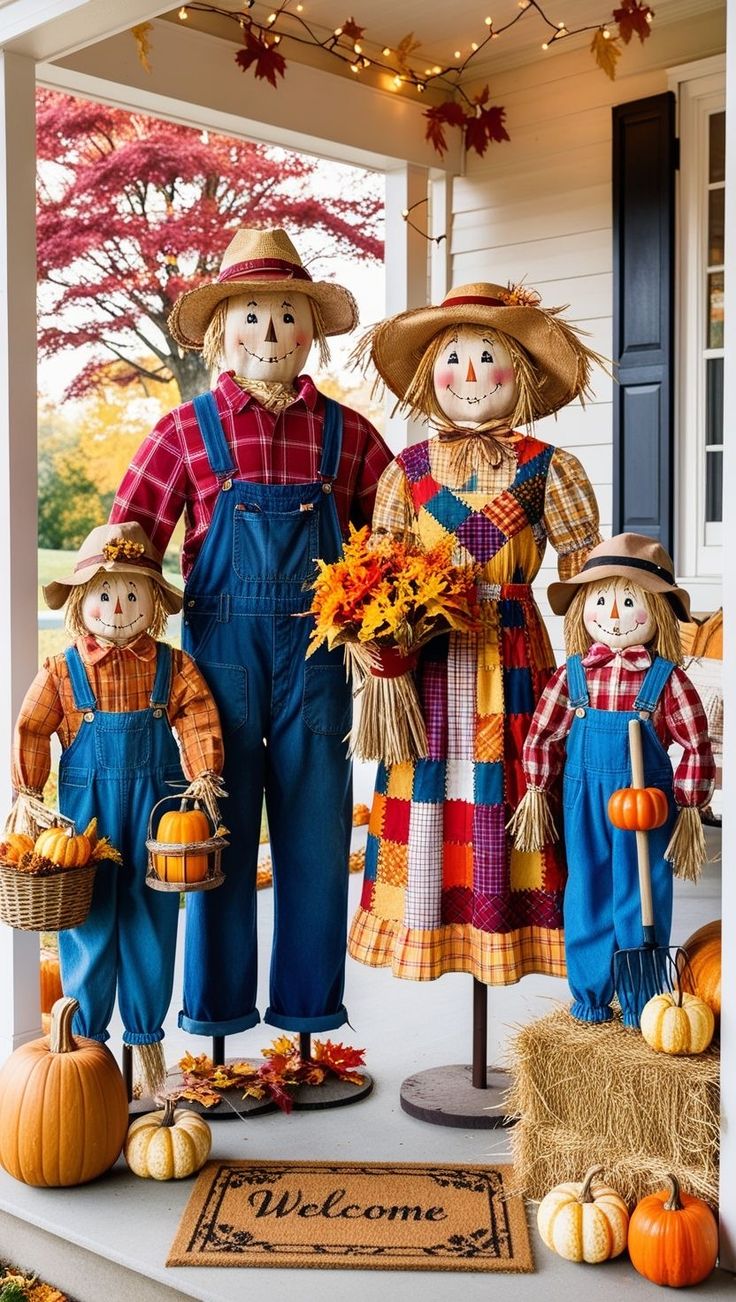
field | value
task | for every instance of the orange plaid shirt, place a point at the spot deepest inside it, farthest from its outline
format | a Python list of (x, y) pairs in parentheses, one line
[(121, 679)]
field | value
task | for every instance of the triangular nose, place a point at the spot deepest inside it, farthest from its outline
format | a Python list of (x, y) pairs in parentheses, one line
[(471, 376), (271, 333), (118, 607), (614, 609)]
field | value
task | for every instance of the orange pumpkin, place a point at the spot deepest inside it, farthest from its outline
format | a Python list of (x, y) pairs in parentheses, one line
[(63, 1107), (182, 827), (673, 1237), (638, 809), (64, 849), (15, 845), (49, 980), (703, 977)]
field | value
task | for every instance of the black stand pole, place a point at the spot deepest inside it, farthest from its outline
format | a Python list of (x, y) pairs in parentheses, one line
[(218, 1050), (480, 1035), (127, 1066)]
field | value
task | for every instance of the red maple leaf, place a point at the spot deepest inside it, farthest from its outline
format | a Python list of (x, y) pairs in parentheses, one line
[(448, 114), (484, 127), (632, 18), (340, 1059), (351, 29), (266, 60)]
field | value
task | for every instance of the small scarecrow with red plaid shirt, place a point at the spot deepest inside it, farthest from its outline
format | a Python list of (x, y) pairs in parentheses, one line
[(112, 698), (268, 473), (623, 662)]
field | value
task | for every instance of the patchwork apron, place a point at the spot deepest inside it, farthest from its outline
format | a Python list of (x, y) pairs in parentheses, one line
[(116, 769), (284, 724)]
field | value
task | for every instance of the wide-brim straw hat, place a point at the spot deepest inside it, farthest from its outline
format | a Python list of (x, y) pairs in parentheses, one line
[(562, 361), (118, 549), (627, 556), (265, 260)]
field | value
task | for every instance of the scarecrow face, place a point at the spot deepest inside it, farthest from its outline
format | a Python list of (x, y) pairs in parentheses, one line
[(117, 607), (268, 336), (474, 378), (616, 613)]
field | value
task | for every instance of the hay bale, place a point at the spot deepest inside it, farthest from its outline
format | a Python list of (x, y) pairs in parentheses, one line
[(583, 1094)]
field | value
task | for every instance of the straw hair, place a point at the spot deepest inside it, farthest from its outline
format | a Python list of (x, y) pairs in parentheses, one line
[(666, 641), (585, 1093), (686, 851), (213, 344), (420, 399), (74, 621)]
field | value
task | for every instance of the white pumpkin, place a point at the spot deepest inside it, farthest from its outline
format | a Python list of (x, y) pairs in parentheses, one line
[(677, 1023), (167, 1145), (585, 1221)]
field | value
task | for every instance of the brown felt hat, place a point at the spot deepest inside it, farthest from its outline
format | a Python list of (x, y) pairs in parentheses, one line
[(265, 260), (555, 348), (627, 556), (118, 549)]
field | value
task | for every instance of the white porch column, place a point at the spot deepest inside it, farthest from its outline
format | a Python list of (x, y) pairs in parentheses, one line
[(406, 270), (19, 1004), (728, 1016)]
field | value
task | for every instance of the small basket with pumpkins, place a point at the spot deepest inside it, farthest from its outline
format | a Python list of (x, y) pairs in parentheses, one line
[(186, 852), (47, 872)]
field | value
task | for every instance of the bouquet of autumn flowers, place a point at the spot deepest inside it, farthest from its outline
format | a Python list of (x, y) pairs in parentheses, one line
[(383, 601)]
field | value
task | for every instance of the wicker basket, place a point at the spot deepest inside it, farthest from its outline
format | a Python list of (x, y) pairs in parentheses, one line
[(52, 903), (184, 854)]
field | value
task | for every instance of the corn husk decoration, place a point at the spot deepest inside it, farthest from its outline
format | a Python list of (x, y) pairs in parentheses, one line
[(383, 601)]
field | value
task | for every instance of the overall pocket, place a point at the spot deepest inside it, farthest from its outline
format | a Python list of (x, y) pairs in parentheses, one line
[(229, 686), (274, 545), (327, 703), (123, 741)]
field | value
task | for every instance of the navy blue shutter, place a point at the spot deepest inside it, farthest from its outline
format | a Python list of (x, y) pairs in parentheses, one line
[(644, 165)]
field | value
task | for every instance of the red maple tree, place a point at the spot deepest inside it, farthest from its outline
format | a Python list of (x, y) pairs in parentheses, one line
[(133, 210)]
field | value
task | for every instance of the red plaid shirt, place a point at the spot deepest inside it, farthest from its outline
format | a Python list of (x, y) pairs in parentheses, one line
[(170, 473), (614, 681)]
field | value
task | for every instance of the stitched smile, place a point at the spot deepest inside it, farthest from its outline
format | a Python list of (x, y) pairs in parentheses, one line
[(616, 631), (270, 360), (119, 627), (474, 401)]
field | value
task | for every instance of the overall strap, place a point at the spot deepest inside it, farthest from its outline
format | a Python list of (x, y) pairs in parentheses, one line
[(577, 687), (331, 440), (162, 682), (84, 697), (656, 679), (213, 435)]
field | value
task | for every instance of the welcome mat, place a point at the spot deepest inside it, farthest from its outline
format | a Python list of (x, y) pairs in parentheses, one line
[(359, 1215)]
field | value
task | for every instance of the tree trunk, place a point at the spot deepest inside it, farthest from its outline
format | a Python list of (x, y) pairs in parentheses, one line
[(190, 373)]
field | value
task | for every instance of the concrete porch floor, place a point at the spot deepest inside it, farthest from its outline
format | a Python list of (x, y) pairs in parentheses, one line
[(110, 1239)]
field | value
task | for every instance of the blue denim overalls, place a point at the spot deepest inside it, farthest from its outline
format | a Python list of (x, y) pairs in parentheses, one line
[(284, 725), (116, 768), (602, 910)]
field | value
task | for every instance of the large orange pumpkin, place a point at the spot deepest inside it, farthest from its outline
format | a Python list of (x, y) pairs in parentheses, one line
[(15, 845), (182, 827), (63, 1107), (673, 1237), (704, 975), (638, 809), (65, 850)]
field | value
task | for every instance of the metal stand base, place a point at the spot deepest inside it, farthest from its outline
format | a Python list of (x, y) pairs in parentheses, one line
[(446, 1096)]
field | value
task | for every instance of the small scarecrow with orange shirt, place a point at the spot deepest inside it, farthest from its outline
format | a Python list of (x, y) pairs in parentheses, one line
[(113, 698)]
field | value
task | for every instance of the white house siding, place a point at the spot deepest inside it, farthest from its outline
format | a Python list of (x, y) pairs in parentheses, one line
[(539, 208)]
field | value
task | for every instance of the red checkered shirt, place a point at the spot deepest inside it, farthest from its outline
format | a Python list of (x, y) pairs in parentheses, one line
[(170, 473), (614, 684)]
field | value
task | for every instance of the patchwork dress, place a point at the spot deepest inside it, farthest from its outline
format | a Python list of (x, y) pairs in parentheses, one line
[(444, 890)]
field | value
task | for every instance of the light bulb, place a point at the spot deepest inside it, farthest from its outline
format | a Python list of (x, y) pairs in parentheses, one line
[(606, 34), (355, 67), (300, 9), (420, 87), (338, 31), (474, 45), (386, 50), (405, 213), (358, 48), (457, 54), (545, 46), (276, 40), (397, 81), (272, 18), (489, 22), (436, 69), (183, 13)]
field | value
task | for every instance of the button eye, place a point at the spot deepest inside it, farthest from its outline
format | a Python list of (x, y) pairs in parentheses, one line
[(288, 318), (132, 596), (486, 356), (601, 601), (453, 359), (104, 596), (629, 603), (251, 318)]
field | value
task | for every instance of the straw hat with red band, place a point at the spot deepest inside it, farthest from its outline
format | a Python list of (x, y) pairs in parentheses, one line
[(117, 549), (266, 261), (555, 348), (627, 556)]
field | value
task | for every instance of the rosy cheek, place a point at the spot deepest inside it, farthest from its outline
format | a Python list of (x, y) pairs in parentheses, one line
[(502, 374), (640, 615), (93, 612), (443, 378)]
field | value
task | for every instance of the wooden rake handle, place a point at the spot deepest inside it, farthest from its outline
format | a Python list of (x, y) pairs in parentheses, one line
[(642, 838)]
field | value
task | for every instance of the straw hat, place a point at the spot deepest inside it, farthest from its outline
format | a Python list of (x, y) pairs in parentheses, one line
[(557, 353), (117, 549), (627, 556), (265, 260)]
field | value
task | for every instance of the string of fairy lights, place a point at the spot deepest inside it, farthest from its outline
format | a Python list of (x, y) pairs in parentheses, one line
[(289, 21)]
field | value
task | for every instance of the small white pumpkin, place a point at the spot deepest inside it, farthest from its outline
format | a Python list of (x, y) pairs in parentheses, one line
[(168, 1145), (677, 1023), (584, 1222)]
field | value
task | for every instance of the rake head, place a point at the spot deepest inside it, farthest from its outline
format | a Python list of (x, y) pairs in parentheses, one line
[(640, 974)]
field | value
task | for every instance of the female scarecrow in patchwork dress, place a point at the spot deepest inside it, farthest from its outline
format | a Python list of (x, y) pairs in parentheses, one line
[(444, 889)]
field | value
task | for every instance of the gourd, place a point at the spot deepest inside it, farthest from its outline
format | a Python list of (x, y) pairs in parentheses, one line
[(677, 1023), (703, 977), (182, 827), (63, 1107), (15, 845), (168, 1145), (673, 1237), (638, 809), (56, 845), (583, 1221)]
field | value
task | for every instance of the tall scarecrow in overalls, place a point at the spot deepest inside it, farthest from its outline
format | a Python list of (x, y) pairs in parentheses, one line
[(444, 891), (113, 698), (623, 663), (269, 473)]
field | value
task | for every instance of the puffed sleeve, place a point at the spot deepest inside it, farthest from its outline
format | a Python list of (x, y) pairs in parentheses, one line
[(393, 512), (40, 715), (571, 515)]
